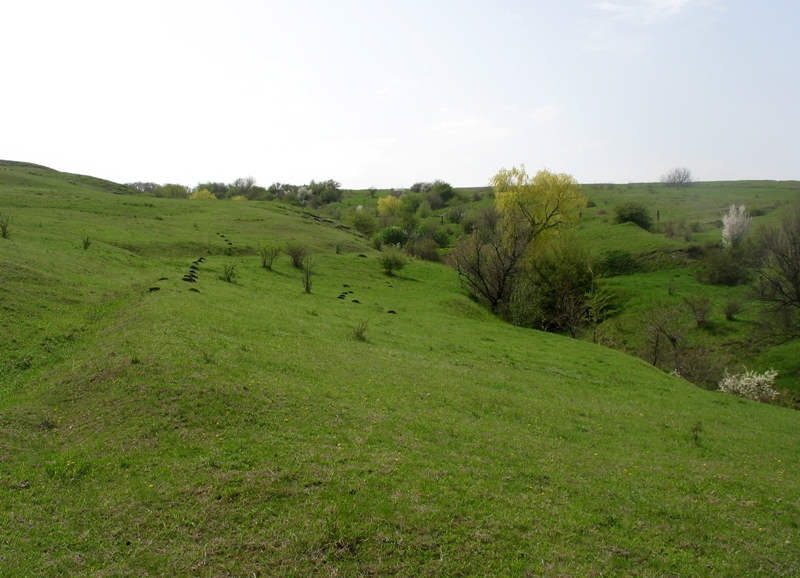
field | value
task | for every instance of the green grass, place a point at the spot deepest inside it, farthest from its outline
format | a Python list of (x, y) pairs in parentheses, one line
[(241, 430)]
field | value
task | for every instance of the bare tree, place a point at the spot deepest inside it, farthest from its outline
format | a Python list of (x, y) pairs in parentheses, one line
[(778, 285), (244, 184), (677, 177), (488, 260)]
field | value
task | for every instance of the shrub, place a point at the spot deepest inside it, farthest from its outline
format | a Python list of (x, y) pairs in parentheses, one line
[(388, 206), (736, 225), (297, 253), (228, 273), (393, 236), (456, 213), (392, 261), (268, 255), (732, 307), (750, 384), (363, 222), (172, 190), (202, 194), (619, 262), (633, 212), (423, 248), (726, 267), (5, 222), (700, 308)]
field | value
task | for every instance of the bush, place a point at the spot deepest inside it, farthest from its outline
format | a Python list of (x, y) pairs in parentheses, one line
[(393, 236), (726, 267), (392, 261), (700, 308), (732, 307), (633, 213), (268, 255), (5, 222), (363, 222), (619, 263), (228, 273), (456, 214), (751, 385), (202, 194), (423, 248), (297, 253)]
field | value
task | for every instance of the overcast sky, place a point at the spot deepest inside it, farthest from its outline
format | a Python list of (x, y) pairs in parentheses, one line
[(390, 92)]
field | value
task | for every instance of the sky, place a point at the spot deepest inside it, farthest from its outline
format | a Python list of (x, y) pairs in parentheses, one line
[(388, 93)]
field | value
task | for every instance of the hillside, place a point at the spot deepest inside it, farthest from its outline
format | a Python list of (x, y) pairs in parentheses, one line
[(239, 429)]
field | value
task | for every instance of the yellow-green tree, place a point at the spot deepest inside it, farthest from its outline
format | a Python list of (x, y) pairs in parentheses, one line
[(534, 208), (388, 206), (202, 194)]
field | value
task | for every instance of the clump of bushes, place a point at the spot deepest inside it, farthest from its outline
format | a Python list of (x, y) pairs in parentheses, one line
[(751, 385), (633, 212)]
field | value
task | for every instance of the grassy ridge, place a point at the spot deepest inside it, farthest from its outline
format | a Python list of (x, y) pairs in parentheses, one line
[(239, 430)]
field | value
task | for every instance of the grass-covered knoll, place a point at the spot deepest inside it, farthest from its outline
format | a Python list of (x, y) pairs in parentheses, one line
[(240, 429)]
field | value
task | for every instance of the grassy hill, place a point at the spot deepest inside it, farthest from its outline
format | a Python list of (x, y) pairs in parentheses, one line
[(240, 430)]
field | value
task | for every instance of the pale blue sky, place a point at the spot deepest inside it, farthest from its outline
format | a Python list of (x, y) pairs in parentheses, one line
[(387, 93)]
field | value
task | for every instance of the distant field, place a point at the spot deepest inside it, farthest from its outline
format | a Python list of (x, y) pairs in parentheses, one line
[(240, 430)]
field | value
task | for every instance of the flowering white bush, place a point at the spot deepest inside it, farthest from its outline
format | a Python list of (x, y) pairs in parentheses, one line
[(750, 384), (736, 225)]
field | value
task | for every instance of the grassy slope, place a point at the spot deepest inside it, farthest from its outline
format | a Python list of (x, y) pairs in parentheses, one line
[(239, 430)]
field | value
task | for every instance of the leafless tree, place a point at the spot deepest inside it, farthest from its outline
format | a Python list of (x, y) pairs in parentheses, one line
[(488, 260), (778, 285), (244, 184), (677, 177)]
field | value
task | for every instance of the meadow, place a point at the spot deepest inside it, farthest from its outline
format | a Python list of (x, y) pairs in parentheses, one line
[(240, 429)]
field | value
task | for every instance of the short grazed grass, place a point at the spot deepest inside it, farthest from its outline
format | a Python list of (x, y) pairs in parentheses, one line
[(239, 430)]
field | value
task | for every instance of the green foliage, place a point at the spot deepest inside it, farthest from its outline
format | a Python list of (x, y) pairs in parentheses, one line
[(441, 189), (422, 248), (172, 191), (551, 294), (633, 212), (393, 236), (392, 260), (725, 267), (325, 192), (363, 222), (619, 262)]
